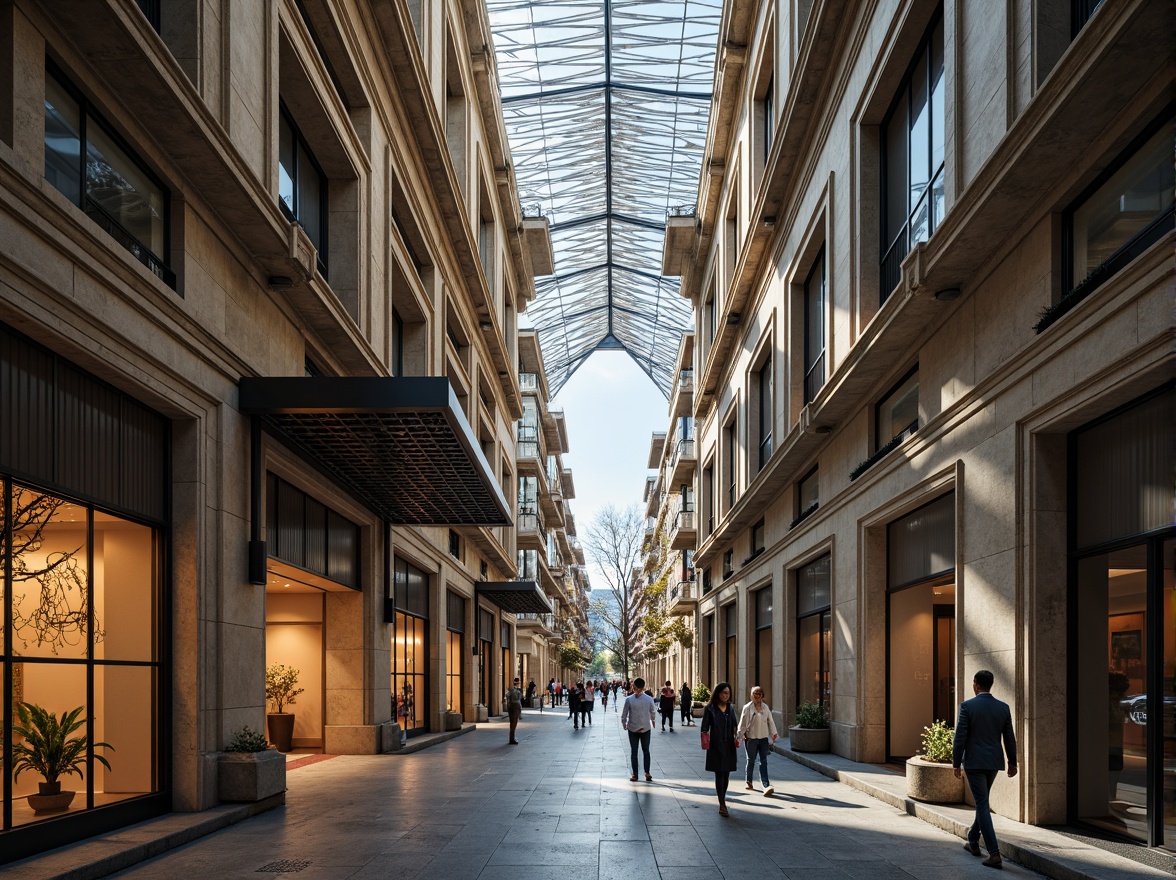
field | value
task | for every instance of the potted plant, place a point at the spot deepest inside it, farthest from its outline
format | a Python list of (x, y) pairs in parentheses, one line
[(50, 749), (700, 697), (929, 775), (810, 733), (280, 689), (249, 770)]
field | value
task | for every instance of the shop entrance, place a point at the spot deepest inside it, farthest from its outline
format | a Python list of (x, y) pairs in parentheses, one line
[(294, 623)]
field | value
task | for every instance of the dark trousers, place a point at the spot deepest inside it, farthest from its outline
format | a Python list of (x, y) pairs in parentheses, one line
[(722, 780), (586, 712), (980, 781), (513, 711), (641, 738), (760, 748), (686, 714)]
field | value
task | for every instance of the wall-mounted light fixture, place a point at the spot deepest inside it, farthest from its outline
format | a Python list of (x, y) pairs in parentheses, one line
[(947, 294), (485, 325), (280, 282)]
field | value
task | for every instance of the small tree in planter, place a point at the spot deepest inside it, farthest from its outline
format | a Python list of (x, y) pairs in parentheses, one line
[(50, 749), (700, 696), (281, 689), (249, 770), (929, 775), (810, 733)]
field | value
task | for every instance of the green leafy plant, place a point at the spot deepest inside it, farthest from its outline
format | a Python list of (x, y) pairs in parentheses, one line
[(811, 716), (48, 746), (701, 693), (247, 740), (937, 742), (280, 681)]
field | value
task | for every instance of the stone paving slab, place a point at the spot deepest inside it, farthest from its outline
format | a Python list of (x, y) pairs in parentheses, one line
[(560, 806)]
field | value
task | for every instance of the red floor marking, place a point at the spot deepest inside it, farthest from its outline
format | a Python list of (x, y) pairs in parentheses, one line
[(309, 759)]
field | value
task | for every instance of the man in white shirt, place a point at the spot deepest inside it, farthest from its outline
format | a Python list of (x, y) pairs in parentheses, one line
[(637, 717), (755, 727)]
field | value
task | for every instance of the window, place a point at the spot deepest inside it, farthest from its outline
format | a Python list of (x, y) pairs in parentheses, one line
[(897, 415), (912, 158), (454, 651), (708, 664), (89, 164), (150, 9), (814, 329), (763, 642), (528, 563), (814, 659), (807, 496), (769, 116), (304, 532), (757, 540), (731, 618), (1080, 12), (729, 434), (728, 564), (302, 186), (706, 581), (1123, 216), (485, 657), (710, 317), (708, 495), (397, 344), (410, 647), (765, 410), (504, 643), (454, 544)]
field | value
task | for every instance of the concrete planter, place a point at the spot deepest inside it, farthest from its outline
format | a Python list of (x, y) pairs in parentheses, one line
[(453, 721), (933, 782), (696, 711), (248, 777), (809, 739)]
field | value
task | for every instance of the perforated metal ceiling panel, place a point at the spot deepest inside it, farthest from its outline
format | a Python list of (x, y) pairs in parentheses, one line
[(606, 105)]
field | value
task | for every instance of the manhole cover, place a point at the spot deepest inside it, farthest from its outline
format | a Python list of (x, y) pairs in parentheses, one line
[(284, 866)]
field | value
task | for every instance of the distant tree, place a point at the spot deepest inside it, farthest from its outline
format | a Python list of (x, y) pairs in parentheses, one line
[(614, 542), (602, 664)]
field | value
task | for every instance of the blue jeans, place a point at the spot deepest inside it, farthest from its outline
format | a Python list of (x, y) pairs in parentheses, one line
[(980, 781), (759, 747), (643, 739)]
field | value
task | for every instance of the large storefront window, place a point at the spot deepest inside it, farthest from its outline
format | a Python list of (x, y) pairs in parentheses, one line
[(1124, 632), (485, 655), (813, 644), (507, 670), (921, 603), (410, 648), (81, 597), (763, 642), (731, 617), (454, 652)]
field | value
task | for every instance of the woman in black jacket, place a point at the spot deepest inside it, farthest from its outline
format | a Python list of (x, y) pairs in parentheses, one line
[(722, 754)]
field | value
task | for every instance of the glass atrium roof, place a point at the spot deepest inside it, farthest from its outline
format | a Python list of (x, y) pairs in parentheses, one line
[(606, 106)]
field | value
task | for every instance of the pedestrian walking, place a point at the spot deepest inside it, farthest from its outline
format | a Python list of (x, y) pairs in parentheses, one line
[(687, 697), (616, 689), (514, 708), (586, 704), (559, 693), (984, 725), (637, 718), (667, 706), (719, 738), (756, 725), (530, 695), (575, 695), (551, 692), (604, 696)]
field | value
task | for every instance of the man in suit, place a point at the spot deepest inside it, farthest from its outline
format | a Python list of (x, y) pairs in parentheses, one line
[(985, 724)]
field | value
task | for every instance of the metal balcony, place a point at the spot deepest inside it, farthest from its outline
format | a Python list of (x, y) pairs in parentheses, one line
[(683, 463), (682, 598), (684, 534)]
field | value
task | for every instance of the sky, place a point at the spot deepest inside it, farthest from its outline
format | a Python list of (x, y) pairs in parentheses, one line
[(611, 409)]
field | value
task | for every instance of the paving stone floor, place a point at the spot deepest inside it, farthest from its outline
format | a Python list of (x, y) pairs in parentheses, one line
[(560, 805)]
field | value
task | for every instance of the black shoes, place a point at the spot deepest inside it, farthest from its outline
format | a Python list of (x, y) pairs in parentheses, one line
[(993, 861), (973, 848)]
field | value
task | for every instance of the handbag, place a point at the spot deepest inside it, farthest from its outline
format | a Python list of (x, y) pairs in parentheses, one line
[(706, 740)]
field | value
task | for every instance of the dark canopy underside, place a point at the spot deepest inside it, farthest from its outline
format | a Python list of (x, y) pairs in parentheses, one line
[(606, 106)]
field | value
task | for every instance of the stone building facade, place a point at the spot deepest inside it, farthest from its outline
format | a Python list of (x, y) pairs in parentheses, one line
[(932, 268), (261, 266)]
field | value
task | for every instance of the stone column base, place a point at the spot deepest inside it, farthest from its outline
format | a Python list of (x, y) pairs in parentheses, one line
[(355, 739)]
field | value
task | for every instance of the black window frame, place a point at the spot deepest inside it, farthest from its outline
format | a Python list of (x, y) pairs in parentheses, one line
[(802, 511), (731, 435), (814, 360), (882, 446), (758, 532), (291, 213), (890, 268), (728, 564), (151, 11), (455, 544), (156, 264), (824, 625), (765, 393), (1080, 13)]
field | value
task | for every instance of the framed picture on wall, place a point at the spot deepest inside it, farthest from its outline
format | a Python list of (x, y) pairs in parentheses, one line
[(1127, 652)]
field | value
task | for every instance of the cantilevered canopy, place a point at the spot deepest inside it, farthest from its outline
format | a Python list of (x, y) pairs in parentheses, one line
[(606, 106), (402, 445), (515, 597)]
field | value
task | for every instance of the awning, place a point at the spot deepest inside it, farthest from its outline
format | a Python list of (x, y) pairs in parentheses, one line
[(401, 445), (515, 597)]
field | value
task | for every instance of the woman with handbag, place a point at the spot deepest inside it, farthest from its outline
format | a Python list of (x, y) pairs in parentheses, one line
[(719, 728)]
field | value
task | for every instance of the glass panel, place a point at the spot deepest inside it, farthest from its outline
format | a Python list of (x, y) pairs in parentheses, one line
[(814, 314), (1126, 468), (1168, 555), (763, 663), (938, 200), (50, 586), (117, 185), (899, 412), (895, 186), (409, 665), (286, 164), (808, 659), (732, 665), (937, 92), (912, 667), (808, 492), (1121, 208), (63, 140), (453, 678), (125, 716), (310, 198), (921, 544), (57, 688), (763, 608), (920, 143), (827, 663), (1112, 760), (921, 221), (813, 586), (125, 570)]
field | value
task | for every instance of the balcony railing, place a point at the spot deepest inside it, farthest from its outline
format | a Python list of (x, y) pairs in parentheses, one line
[(547, 620), (682, 449), (684, 520), (686, 379), (529, 381)]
